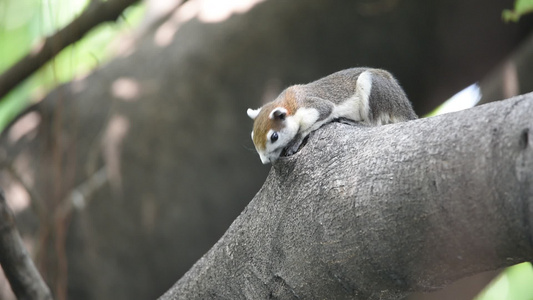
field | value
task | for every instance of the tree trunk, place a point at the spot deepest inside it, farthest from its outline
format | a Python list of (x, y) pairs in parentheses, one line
[(378, 212)]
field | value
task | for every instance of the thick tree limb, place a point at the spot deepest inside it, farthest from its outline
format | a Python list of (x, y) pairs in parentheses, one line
[(97, 12), (378, 212), (25, 280)]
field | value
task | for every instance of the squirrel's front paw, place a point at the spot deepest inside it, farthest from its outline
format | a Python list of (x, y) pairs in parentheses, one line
[(290, 150), (295, 145), (292, 147)]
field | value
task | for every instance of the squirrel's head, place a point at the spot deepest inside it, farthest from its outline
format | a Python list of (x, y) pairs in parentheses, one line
[(274, 128)]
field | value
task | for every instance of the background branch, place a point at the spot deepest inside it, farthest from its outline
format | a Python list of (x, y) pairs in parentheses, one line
[(379, 212), (96, 13), (25, 280)]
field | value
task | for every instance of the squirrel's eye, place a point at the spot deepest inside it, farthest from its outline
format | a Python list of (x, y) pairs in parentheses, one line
[(274, 137)]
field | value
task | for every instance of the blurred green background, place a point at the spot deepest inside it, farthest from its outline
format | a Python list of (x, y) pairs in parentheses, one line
[(24, 23)]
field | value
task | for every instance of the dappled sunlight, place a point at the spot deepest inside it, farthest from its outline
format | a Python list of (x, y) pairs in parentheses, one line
[(5, 289), (23, 169), (17, 197), (510, 83), (126, 89), (29, 244), (18, 191), (115, 133), (208, 11), (217, 11), (125, 46), (165, 33), (24, 126)]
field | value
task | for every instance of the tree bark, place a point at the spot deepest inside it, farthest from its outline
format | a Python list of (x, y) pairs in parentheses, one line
[(379, 212), (25, 280)]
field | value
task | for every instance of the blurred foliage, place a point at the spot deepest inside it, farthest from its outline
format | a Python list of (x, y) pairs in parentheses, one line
[(521, 7), (515, 283), (23, 23), (464, 99)]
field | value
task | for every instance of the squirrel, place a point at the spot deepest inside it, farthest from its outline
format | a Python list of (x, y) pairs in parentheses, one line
[(367, 95)]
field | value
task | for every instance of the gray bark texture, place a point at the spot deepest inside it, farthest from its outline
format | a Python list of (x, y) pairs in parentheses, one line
[(378, 212), (24, 279)]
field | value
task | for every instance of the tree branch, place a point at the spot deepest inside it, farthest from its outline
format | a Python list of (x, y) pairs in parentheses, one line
[(25, 280), (379, 212), (97, 12)]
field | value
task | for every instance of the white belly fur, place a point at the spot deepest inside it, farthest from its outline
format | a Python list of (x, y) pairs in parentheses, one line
[(354, 108), (357, 107)]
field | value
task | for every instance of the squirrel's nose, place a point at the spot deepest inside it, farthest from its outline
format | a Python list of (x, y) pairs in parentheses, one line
[(264, 159)]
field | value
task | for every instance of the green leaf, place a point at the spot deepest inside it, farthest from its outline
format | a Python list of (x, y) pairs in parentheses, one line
[(521, 7), (25, 22), (512, 284)]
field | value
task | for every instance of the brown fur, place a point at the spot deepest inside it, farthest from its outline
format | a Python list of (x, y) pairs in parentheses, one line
[(263, 123)]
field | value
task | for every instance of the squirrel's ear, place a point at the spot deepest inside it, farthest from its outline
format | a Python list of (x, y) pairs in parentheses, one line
[(252, 113), (278, 113)]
